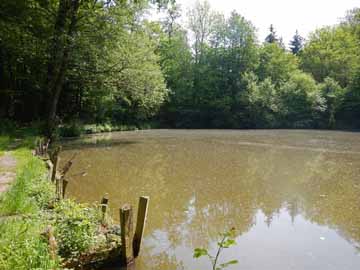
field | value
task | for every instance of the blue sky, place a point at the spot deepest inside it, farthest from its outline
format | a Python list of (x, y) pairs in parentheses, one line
[(285, 15)]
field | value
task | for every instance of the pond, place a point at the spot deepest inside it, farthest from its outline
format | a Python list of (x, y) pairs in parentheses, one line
[(293, 196)]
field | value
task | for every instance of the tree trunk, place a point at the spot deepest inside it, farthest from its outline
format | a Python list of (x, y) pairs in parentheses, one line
[(60, 47)]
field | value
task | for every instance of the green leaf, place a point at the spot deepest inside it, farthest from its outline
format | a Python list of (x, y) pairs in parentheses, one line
[(198, 252), (228, 243), (224, 265)]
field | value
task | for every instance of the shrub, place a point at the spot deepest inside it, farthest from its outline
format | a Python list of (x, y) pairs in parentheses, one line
[(76, 226), (73, 129)]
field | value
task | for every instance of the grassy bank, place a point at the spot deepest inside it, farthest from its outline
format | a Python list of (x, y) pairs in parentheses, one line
[(76, 129), (29, 207), (21, 210)]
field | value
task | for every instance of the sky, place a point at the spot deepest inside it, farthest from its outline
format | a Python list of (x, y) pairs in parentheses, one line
[(285, 15)]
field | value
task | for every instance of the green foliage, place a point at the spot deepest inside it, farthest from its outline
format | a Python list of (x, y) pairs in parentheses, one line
[(272, 38), (76, 129), (227, 240), (73, 129), (331, 52), (334, 96), (218, 94), (276, 63), (119, 67), (112, 70), (25, 213), (22, 246), (75, 227), (295, 103), (21, 243), (262, 101), (300, 101), (4, 142), (31, 190), (297, 43)]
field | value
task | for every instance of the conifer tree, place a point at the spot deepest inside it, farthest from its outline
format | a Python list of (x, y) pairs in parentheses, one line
[(272, 38), (297, 43)]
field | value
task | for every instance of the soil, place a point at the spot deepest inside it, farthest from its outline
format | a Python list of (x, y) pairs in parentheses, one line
[(7, 171)]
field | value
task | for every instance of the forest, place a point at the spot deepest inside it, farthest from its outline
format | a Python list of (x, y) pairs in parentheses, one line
[(82, 61), (291, 198)]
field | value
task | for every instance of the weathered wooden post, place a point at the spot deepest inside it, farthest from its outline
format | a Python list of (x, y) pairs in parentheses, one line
[(55, 160), (140, 224), (50, 166), (104, 205), (126, 225), (46, 147), (53, 175), (49, 234), (58, 188), (37, 147), (41, 147), (64, 186)]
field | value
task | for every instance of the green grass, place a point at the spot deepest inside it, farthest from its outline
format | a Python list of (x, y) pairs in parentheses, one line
[(21, 217), (22, 246), (25, 213), (30, 191)]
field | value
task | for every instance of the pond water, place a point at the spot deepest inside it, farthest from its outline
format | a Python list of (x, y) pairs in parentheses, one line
[(293, 196)]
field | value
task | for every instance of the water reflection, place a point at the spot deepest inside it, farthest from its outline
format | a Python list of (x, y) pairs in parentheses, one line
[(294, 196)]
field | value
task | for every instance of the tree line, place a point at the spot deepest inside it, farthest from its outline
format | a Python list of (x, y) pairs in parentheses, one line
[(108, 61)]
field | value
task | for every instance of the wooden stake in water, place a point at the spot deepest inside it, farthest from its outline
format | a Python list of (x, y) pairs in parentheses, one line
[(64, 186), (104, 205), (140, 224), (55, 160), (126, 224)]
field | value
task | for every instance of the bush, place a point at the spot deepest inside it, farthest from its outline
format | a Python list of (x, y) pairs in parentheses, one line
[(301, 101), (73, 129), (334, 95), (76, 226), (7, 126)]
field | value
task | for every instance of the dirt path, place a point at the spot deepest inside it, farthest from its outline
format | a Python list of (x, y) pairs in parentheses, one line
[(7, 171)]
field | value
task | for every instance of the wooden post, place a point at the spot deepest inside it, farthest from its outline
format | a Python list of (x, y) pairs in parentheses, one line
[(104, 205), (64, 186), (66, 168), (55, 164), (37, 151), (105, 199), (40, 147), (55, 160), (51, 168), (140, 224), (126, 225), (58, 188), (49, 234), (46, 149)]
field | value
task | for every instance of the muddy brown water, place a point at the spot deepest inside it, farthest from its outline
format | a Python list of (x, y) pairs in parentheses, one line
[(293, 196)]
